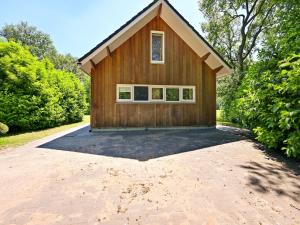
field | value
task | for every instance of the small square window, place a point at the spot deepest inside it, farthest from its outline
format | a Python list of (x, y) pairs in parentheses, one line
[(124, 93), (157, 94), (141, 93), (188, 94), (172, 94)]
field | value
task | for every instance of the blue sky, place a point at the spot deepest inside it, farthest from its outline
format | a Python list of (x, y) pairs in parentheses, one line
[(77, 26)]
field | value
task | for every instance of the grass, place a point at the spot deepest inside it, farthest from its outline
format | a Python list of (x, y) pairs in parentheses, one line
[(14, 140), (219, 116), (230, 124), (223, 122)]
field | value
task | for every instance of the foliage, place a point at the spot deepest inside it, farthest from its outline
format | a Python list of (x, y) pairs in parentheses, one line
[(234, 27), (69, 63), (39, 43), (219, 116), (264, 95), (33, 94), (283, 38), (281, 41), (41, 46), (87, 88), (269, 103), (3, 128)]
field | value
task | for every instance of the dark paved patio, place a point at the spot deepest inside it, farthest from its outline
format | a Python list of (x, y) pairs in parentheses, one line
[(141, 145)]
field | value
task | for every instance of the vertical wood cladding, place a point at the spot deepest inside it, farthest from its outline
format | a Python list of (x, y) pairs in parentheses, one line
[(130, 64)]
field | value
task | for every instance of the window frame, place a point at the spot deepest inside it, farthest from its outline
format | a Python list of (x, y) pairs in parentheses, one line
[(133, 95), (194, 93), (118, 92), (164, 93), (163, 47), (155, 101), (173, 87)]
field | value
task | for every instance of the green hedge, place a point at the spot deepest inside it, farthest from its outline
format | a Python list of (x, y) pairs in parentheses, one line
[(269, 103), (34, 95)]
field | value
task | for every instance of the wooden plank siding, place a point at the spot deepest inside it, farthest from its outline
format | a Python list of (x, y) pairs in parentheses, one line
[(130, 64)]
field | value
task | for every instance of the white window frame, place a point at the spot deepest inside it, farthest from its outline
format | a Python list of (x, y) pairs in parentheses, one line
[(173, 87), (194, 93), (164, 93), (140, 85), (163, 47), (153, 101), (126, 86)]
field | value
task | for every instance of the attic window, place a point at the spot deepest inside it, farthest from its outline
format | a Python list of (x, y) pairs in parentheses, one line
[(157, 47)]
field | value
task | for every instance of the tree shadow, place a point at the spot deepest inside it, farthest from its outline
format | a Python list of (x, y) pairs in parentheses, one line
[(280, 157), (141, 145), (280, 175)]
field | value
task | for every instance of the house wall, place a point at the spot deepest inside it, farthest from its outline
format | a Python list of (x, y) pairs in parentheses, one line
[(130, 64)]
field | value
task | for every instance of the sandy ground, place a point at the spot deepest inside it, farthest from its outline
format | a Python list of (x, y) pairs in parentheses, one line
[(231, 183)]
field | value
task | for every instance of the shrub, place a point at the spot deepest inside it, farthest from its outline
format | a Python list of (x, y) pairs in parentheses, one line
[(3, 128), (269, 103), (33, 94), (267, 100)]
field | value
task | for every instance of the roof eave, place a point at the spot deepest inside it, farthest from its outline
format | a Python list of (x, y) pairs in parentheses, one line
[(86, 61)]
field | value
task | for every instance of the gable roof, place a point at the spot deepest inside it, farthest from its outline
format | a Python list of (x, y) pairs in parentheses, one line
[(174, 19)]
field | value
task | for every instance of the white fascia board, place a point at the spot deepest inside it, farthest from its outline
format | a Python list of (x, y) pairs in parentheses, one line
[(191, 32), (110, 41)]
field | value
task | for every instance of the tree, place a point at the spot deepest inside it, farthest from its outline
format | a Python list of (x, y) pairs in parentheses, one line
[(67, 63), (268, 99), (268, 102), (41, 46), (33, 94), (234, 27), (39, 43), (283, 38)]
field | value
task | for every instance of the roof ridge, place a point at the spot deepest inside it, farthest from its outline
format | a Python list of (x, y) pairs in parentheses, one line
[(117, 31), (140, 13)]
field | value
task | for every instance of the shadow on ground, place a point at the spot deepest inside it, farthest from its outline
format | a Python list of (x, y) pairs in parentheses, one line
[(140, 145), (274, 175)]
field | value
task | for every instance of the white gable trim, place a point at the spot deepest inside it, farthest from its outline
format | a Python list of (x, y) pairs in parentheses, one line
[(174, 21)]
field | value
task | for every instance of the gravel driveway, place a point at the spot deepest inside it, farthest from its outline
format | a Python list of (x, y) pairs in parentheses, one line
[(147, 177)]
